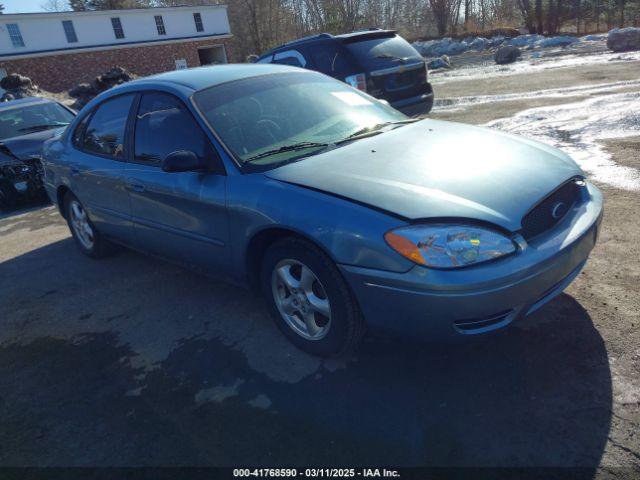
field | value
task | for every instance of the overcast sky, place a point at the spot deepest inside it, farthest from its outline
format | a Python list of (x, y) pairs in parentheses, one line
[(19, 6)]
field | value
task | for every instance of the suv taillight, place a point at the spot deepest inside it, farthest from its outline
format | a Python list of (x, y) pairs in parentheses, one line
[(359, 81)]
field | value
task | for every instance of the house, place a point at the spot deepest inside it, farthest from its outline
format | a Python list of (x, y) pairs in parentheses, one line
[(59, 50)]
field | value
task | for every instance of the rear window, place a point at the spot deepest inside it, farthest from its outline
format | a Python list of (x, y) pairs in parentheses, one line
[(378, 52)]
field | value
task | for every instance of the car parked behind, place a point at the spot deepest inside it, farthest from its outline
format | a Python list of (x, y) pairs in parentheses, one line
[(379, 62), (342, 211), (24, 126)]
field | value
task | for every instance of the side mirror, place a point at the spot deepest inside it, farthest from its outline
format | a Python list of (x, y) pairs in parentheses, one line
[(182, 161)]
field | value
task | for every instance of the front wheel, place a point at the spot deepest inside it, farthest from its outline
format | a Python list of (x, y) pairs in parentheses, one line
[(309, 300), (87, 238)]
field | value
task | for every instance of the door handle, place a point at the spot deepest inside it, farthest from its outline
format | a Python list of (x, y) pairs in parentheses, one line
[(134, 186)]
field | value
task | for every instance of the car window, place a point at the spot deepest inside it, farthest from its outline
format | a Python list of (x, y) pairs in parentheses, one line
[(79, 131), (331, 59), (164, 126), (290, 57), (105, 132), (292, 61), (382, 52)]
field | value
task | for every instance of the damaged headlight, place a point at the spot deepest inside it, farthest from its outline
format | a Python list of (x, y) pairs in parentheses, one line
[(448, 246)]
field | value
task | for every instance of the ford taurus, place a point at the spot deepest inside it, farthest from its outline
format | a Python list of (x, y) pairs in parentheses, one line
[(343, 212)]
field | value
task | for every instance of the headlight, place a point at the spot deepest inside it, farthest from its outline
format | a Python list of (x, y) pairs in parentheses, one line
[(448, 246)]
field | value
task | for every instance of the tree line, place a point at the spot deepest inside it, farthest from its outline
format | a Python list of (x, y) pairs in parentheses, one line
[(261, 24)]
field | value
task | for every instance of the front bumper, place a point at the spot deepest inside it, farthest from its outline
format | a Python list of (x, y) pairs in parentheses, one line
[(436, 304)]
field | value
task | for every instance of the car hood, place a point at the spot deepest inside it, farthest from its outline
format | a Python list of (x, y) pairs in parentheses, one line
[(25, 147), (436, 169)]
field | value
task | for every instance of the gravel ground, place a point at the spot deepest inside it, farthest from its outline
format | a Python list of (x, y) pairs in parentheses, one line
[(130, 361)]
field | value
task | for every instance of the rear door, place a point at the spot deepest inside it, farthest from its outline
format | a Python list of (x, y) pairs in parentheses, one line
[(178, 215), (332, 58), (97, 166)]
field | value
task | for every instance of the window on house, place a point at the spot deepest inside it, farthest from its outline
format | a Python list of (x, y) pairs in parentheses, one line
[(69, 31), (198, 19), (117, 27), (160, 25), (16, 36)]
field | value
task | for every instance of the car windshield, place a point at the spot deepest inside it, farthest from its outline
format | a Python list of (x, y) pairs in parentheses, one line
[(22, 120), (277, 118), (377, 52)]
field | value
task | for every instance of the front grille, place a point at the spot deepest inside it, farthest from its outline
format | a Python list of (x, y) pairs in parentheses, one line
[(552, 209)]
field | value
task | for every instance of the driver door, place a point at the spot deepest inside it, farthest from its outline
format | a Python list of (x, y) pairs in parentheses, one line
[(180, 215)]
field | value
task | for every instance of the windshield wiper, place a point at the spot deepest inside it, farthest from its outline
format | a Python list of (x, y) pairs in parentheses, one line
[(44, 126), (286, 148), (374, 130)]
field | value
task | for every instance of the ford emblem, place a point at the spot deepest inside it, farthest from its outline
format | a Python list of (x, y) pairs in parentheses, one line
[(558, 210)]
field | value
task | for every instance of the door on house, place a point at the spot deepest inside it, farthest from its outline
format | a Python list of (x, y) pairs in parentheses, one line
[(212, 55)]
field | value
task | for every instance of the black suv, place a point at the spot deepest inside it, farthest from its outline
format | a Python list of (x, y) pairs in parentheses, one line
[(379, 62)]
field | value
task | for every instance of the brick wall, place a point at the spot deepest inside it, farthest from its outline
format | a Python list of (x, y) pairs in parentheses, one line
[(57, 73)]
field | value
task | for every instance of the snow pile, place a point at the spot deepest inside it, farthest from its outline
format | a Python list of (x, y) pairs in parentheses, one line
[(540, 41), (561, 41), (525, 40), (594, 38), (448, 46)]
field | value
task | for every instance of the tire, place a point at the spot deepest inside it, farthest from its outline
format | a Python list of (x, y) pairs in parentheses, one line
[(8, 196), (334, 334), (88, 240)]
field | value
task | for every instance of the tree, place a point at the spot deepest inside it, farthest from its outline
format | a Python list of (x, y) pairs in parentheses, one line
[(79, 5), (445, 14), (82, 5), (55, 6)]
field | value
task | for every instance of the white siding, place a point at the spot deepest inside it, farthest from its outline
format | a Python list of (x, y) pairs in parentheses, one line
[(44, 32)]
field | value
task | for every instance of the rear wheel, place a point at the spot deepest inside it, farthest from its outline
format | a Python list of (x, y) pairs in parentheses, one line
[(87, 238), (8, 195), (309, 300)]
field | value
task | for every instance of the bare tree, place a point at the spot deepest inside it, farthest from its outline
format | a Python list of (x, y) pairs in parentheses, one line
[(55, 6)]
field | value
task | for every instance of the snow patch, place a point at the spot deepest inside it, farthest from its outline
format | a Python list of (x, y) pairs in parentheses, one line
[(530, 64), (461, 103)]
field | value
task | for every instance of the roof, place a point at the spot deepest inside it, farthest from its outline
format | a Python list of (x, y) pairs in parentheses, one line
[(365, 33), (372, 32), (23, 102), (203, 77), (66, 13)]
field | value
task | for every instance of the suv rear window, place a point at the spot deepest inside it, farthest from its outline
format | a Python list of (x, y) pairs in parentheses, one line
[(379, 52)]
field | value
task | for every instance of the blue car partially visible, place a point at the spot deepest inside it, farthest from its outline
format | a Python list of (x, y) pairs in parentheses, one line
[(345, 214)]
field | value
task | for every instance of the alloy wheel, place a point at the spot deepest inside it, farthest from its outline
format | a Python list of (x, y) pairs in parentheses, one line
[(81, 226), (301, 299)]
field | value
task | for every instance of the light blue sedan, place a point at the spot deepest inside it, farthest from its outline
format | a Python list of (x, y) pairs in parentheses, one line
[(343, 212)]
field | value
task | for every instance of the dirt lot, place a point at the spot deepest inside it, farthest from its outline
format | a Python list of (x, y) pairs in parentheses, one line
[(129, 361)]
